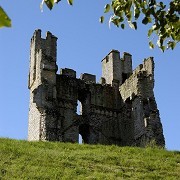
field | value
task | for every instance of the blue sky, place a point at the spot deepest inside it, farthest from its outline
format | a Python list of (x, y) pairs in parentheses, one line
[(82, 43)]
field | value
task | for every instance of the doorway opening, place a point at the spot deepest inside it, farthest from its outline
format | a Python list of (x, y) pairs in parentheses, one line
[(84, 131)]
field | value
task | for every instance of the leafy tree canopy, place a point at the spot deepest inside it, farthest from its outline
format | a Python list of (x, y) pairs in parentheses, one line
[(163, 18)]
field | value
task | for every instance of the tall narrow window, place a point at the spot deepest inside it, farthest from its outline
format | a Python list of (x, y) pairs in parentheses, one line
[(80, 141), (79, 109)]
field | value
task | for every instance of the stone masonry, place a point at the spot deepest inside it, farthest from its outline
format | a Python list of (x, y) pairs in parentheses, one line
[(120, 109)]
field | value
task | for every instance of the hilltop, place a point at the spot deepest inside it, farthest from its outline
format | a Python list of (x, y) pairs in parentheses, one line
[(52, 160)]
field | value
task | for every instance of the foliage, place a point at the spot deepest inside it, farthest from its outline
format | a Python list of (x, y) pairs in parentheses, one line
[(53, 160), (164, 19), (50, 3), (4, 19)]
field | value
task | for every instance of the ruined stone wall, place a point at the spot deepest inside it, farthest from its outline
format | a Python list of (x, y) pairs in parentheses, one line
[(34, 121), (138, 88), (140, 83), (121, 109), (67, 106), (105, 106), (100, 106)]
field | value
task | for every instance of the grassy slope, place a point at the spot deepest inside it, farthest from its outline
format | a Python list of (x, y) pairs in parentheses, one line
[(45, 160)]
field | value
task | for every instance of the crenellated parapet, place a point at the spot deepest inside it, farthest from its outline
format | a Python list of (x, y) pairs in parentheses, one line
[(119, 109)]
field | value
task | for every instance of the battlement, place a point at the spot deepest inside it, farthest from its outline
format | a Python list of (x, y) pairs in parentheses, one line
[(42, 58), (120, 109), (47, 44), (148, 66), (37, 36), (112, 54)]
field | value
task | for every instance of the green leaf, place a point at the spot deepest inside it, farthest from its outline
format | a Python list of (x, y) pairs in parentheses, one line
[(132, 25), (142, 4), (70, 2), (129, 16), (107, 8), (122, 26), (5, 21), (152, 2), (135, 25), (151, 45), (121, 19), (101, 19), (117, 10), (145, 20), (163, 48), (162, 5), (136, 12), (150, 31), (49, 3), (149, 19), (160, 42), (171, 44), (127, 7), (116, 21), (56, 1)]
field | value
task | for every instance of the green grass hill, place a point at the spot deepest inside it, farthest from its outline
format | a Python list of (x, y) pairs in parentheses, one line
[(53, 160)]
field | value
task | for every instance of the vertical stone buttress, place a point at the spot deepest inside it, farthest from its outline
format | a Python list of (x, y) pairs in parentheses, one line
[(42, 85)]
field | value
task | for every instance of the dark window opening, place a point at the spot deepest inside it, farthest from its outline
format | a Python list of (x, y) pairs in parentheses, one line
[(124, 77), (84, 132), (107, 59)]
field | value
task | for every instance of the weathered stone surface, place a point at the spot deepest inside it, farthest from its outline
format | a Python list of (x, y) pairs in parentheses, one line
[(120, 110)]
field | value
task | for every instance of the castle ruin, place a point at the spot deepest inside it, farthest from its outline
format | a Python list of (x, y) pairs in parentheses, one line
[(120, 109)]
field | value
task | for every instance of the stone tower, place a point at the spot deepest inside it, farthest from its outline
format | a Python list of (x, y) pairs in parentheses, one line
[(114, 68), (120, 109), (42, 85)]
